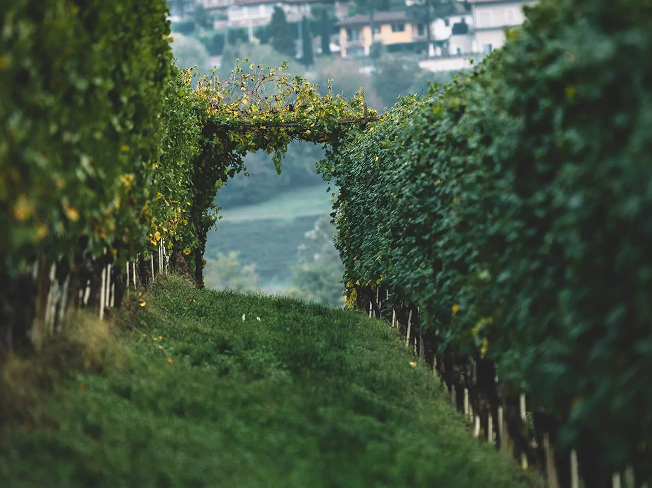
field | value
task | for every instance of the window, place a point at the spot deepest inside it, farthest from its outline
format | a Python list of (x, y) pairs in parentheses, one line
[(510, 15), (398, 27), (487, 48), (376, 29), (460, 28), (421, 29), (447, 22), (352, 35), (459, 51)]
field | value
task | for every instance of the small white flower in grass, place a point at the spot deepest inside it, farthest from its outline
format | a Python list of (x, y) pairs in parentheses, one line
[(243, 317), (258, 319)]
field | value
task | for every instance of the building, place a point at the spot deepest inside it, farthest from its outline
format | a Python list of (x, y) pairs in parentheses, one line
[(180, 9), (393, 29), (231, 14), (491, 18), (474, 32), (442, 28)]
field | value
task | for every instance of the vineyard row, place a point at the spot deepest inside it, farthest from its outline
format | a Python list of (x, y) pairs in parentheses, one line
[(511, 212)]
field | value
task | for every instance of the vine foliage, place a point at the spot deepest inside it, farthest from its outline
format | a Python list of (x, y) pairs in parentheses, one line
[(512, 207), (109, 152)]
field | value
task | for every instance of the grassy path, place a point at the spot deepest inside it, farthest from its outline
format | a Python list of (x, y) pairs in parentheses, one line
[(294, 395)]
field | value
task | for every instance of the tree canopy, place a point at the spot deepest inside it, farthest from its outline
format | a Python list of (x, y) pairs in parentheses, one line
[(282, 38)]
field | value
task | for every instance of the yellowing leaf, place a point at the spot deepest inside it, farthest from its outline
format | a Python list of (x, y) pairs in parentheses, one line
[(41, 232), (570, 92), (71, 213), (5, 62), (455, 308), (23, 208), (485, 347), (141, 302)]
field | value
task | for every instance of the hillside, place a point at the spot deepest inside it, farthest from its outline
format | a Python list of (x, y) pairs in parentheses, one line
[(200, 388), (268, 233)]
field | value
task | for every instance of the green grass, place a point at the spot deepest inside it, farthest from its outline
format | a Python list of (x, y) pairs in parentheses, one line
[(306, 396), (303, 202)]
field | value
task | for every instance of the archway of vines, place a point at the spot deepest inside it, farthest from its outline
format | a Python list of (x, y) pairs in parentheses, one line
[(257, 108)]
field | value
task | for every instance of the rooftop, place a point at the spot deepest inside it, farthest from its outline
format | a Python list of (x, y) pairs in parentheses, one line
[(379, 17)]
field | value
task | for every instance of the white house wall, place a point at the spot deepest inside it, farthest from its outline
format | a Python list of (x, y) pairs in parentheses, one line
[(454, 63), (461, 44), (258, 15), (491, 19), (485, 41)]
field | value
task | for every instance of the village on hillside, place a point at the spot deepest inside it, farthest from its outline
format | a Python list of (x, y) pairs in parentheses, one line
[(442, 35)]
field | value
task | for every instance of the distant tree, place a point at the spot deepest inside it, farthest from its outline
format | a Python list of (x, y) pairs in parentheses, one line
[(377, 50), (213, 41), (202, 17), (369, 6), (282, 38), (308, 58), (189, 52), (226, 273), (326, 27), (183, 26), (263, 33), (426, 79), (394, 76), (237, 35), (264, 183), (347, 79), (257, 54), (318, 274)]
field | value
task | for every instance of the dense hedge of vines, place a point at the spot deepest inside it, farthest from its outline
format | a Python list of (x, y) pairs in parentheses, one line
[(514, 207), (108, 151), (80, 93)]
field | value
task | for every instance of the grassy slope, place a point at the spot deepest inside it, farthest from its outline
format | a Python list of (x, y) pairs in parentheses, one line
[(306, 397)]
